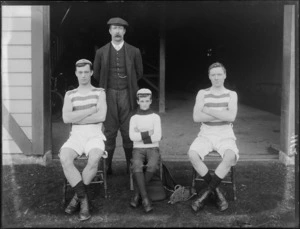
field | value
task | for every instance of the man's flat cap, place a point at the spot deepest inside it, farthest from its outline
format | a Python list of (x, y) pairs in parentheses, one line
[(117, 21)]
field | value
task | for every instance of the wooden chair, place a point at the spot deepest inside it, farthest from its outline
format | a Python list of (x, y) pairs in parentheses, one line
[(229, 179), (100, 177)]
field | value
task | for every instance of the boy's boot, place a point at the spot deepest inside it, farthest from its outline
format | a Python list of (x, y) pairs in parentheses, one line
[(80, 190), (128, 155), (73, 205), (140, 178), (84, 213), (147, 204), (135, 200), (222, 203), (200, 202)]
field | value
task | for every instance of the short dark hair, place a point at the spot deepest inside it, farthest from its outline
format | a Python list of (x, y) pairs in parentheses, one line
[(83, 63), (216, 65)]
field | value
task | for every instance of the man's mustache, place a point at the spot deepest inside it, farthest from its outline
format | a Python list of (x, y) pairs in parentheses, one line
[(118, 35)]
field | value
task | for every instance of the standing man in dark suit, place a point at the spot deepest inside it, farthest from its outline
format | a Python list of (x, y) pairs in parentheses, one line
[(117, 67)]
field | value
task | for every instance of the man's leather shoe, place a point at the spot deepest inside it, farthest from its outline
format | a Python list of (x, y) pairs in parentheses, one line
[(222, 203), (84, 213), (147, 205), (135, 201), (200, 202), (73, 205)]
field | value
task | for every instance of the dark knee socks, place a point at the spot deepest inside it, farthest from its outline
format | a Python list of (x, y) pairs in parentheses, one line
[(207, 177), (140, 180), (80, 189), (215, 181)]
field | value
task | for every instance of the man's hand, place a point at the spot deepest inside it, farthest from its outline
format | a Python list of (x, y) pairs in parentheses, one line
[(151, 132)]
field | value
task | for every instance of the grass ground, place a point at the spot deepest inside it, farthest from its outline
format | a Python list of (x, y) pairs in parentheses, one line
[(32, 197)]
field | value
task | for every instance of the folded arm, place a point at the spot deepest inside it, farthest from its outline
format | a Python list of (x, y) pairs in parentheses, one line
[(134, 133), (225, 115), (100, 115), (155, 135), (147, 136), (198, 114), (70, 116)]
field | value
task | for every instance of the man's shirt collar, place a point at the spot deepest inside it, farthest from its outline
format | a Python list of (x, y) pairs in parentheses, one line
[(119, 46)]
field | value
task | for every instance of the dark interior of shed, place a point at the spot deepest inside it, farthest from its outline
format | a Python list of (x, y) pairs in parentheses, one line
[(245, 36)]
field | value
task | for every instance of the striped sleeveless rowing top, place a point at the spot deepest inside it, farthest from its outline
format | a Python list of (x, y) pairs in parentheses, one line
[(217, 102), (86, 101)]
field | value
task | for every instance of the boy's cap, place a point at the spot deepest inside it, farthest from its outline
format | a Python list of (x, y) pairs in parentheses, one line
[(117, 21), (144, 91), (83, 61)]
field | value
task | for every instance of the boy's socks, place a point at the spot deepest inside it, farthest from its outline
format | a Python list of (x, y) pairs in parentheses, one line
[(80, 189), (215, 181), (207, 177)]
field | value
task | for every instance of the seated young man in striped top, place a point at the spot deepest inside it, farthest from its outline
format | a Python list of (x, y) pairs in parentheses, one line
[(85, 108), (215, 108), (145, 132)]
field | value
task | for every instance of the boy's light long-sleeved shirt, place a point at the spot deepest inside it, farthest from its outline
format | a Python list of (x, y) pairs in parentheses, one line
[(145, 121)]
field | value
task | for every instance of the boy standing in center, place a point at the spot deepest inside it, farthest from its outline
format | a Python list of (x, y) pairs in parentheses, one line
[(145, 132)]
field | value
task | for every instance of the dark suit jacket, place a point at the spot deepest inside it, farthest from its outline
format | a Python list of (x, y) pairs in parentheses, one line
[(134, 68)]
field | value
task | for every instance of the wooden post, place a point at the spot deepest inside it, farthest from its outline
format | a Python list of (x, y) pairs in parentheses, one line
[(162, 62), (41, 116), (287, 125)]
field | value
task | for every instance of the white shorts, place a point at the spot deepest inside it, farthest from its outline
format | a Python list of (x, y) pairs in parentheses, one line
[(218, 138), (84, 138)]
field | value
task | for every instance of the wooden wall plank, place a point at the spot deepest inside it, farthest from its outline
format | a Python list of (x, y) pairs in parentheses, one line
[(23, 119), (7, 136), (16, 52), (10, 147), (16, 79), (15, 131), (16, 24), (16, 65), (28, 131), (18, 106), (16, 93), (16, 11), (16, 38)]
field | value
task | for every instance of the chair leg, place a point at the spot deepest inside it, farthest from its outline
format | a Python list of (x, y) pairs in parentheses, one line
[(161, 170), (104, 178), (64, 191), (194, 179), (131, 181), (233, 182)]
